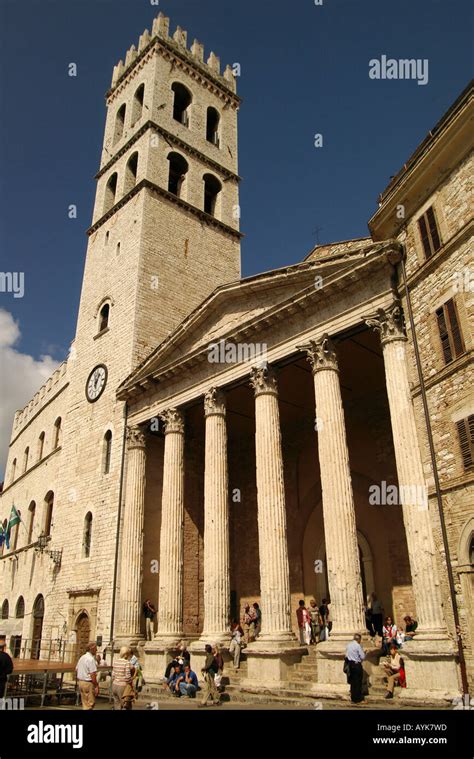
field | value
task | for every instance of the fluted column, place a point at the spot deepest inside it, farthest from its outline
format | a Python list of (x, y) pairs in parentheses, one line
[(272, 533), (411, 481), (342, 550), (132, 541), (170, 602), (216, 520)]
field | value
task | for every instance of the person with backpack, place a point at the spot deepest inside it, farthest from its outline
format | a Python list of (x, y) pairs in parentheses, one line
[(209, 671)]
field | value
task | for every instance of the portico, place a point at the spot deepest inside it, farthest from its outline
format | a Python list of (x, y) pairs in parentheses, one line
[(248, 456)]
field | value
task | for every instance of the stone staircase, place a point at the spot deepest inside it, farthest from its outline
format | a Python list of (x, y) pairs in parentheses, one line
[(297, 689)]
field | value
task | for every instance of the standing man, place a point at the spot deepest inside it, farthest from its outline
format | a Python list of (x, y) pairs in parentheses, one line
[(149, 611), (249, 623), (355, 656), (377, 615), (6, 665), (209, 670), (86, 671)]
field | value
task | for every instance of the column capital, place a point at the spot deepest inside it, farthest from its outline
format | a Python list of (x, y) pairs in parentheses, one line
[(389, 322), (321, 354), (173, 420), (214, 402), (263, 380), (136, 437)]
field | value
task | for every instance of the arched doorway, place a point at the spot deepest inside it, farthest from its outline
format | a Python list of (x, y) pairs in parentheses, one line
[(315, 576), (37, 631), (83, 633)]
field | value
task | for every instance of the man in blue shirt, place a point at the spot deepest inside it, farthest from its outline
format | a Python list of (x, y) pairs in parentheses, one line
[(174, 680), (355, 656), (188, 685)]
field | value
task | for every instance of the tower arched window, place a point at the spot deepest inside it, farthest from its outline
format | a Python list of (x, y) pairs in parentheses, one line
[(212, 189), (31, 521), (26, 456), (137, 107), (182, 101), (41, 446), (5, 609), (177, 173), (131, 173), (104, 314), (87, 536), (110, 192), (119, 123), (57, 433), (107, 451), (13, 471), (212, 126), (20, 608), (48, 513)]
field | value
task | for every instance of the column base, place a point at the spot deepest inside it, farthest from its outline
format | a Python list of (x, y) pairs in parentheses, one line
[(132, 640), (269, 663)]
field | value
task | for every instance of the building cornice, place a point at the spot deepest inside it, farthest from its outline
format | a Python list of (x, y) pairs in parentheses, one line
[(146, 184)]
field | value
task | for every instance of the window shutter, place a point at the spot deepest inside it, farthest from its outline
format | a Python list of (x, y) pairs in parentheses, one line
[(466, 440), (433, 229), (444, 335), (424, 236), (456, 338)]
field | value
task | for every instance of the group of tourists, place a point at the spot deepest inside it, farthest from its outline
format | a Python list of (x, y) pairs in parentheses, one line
[(182, 681), (385, 628), (314, 623), (392, 639)]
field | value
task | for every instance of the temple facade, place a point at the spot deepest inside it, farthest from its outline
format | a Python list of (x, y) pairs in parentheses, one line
[(307, 432)]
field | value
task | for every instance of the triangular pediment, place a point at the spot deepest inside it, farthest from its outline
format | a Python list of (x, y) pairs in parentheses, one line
[(233, 307)]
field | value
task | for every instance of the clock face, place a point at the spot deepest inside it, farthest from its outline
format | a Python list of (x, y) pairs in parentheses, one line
[(96, 382)]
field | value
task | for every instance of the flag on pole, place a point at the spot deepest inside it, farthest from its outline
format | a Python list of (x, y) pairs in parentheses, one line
[(2, 536), (15, 519)]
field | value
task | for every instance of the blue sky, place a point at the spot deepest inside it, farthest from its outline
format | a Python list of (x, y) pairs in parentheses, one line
[(304, 71)]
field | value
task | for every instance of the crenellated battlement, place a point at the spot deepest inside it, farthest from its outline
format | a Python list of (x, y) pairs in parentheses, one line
[(160, 33), (46, 391)]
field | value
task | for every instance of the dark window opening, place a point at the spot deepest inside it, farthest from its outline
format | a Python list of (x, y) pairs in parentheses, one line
[(177, 173), (212, 126), (181, 103), (131, 173), (137, 108), (212, 188), (107, 451), (104, 317), (119, 123), (110, 192), (86, 544)]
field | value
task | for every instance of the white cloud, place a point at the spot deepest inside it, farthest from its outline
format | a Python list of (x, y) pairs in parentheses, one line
[(20, 377)]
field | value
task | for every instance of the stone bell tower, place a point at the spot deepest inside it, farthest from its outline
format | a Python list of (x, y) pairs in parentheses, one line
[(164, 235)]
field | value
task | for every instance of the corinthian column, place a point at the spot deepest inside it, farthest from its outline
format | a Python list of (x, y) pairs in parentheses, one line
[(411, 480), (170, 603), (342, 550), (216, 521), (132, 539), (274, 567)]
